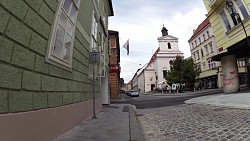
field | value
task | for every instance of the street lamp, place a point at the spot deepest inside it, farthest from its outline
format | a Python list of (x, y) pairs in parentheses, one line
[(236, 18)]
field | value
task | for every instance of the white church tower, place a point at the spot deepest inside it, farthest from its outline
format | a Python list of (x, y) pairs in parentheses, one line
[(152, 75), (168, 50)]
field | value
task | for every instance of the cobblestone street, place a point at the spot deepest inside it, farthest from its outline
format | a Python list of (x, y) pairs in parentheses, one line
[(195, 123)]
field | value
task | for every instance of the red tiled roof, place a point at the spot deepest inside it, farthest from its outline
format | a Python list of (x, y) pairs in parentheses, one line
[(154, 55), (112, 31), (200, 27)]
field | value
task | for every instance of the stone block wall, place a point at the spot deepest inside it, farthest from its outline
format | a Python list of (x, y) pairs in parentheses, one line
[(27, 81)]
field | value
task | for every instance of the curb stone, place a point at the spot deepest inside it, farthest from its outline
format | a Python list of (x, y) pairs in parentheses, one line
[(134, 127)]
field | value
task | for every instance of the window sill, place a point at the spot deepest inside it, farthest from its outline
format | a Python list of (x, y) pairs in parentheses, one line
[(58, 64)]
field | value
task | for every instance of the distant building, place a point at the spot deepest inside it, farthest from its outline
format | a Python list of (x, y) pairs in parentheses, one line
[(129, 85), (203, 47), (135, 80), (157, 69), (114, 64)]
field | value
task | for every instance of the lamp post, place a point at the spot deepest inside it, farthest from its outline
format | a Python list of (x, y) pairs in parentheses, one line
[(236, 15)]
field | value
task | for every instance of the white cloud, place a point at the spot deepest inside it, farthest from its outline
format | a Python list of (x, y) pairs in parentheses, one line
[(141, 21)]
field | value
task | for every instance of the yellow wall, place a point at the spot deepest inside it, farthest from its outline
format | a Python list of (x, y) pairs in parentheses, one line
[(225, 39)]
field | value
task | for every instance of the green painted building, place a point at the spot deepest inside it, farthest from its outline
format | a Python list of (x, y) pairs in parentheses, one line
[(46, 80)]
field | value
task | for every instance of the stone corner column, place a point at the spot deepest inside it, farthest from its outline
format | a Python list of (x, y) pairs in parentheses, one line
[(230, 74)]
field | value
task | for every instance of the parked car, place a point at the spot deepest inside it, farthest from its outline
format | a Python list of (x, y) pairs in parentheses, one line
[(128, 92), (134, 93)]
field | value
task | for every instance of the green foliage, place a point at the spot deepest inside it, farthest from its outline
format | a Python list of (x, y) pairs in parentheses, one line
[(182, 71)]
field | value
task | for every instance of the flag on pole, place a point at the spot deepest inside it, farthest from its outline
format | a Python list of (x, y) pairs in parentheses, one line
[(126, 46)]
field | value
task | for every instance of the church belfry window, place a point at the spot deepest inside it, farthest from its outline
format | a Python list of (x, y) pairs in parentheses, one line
[(165, 73), (169, 45)]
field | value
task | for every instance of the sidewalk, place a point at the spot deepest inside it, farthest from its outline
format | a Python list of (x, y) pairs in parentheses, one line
[(239, 100), (197, 92), (116, 122)]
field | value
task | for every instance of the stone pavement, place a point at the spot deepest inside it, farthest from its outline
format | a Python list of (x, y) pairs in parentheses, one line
[(186, 93), (239, 100), (114, 123), (195, 123)]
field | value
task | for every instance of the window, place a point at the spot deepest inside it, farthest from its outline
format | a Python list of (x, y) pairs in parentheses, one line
[(192, 45), (242, 9), (202, 55), (211, 47), (229, 16), (241, 63), (208, 35), (194, 56), (94, 31), (211, 64), (112, 43), (169, 45), (195, 43), (225, 20), (62, 38), (204, 37), (165, 73), (198, 54), (94, 44), (199, 40), (206, 49)]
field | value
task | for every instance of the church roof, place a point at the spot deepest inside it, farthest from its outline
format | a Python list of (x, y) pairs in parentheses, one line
[(167, 37), (154, 55), (199, 28)]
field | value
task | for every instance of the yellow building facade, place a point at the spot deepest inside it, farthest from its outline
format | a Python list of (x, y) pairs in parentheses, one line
[(230, 21)]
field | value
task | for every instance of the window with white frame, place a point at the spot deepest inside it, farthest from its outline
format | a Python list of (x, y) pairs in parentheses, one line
[(204, 37), (202, 54), (194, 56), (211, 63), (94, 44), (195, 43), (199, 40), (211, 47), (206, 49), (62, 38), (192, 45), (198, 54), (94, 31), (208, 35), (242, 9), (225, 20), (229, 17)]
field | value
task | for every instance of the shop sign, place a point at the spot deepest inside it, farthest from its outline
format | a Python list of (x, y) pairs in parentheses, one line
[(114, 68)]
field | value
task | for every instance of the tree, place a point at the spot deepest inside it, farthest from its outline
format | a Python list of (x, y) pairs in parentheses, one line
[(182, 71)]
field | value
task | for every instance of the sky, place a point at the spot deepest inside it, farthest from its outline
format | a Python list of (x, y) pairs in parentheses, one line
[(141, 22)]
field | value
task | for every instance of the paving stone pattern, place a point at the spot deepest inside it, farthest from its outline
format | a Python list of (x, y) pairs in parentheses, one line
[(195, 123)]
